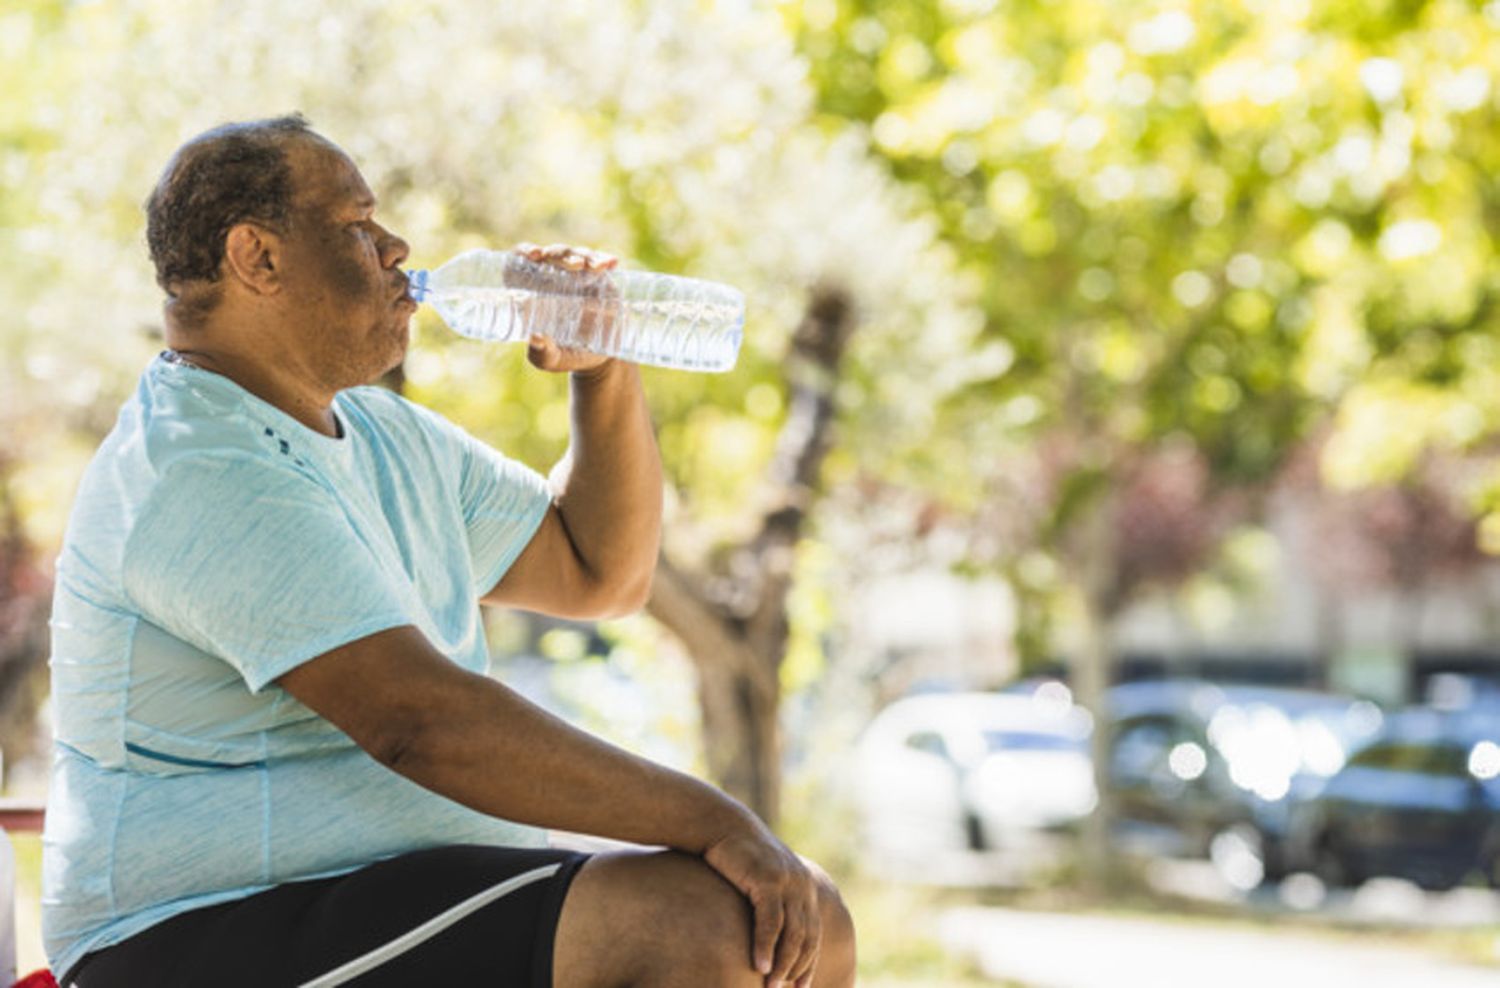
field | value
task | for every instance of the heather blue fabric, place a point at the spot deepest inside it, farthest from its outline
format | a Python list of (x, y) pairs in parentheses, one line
[(215, 544)]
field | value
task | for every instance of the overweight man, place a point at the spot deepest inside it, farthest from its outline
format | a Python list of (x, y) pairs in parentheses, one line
[(279, 761)]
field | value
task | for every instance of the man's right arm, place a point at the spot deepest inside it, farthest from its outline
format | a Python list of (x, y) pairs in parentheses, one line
[(477, 742)]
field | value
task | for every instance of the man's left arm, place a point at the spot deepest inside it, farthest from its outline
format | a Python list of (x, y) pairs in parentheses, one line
[(595, 551)]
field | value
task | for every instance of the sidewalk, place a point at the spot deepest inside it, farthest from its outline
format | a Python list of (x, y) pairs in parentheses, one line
[(1050, 950)]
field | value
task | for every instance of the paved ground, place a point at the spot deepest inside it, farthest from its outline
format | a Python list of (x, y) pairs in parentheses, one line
[(1047, 950), (1386, 901)]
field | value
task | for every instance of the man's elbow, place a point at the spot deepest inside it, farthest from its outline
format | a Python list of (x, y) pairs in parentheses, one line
[(619, 597), (395, 741)]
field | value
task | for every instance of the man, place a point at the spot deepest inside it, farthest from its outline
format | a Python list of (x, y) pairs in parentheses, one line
[(279, 761)]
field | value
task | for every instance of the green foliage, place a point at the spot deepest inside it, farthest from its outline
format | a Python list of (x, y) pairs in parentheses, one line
[(1073, 230), (1216, 222)]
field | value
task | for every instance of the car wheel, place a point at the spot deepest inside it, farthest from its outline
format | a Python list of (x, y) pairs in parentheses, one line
[(1489, 867), (1437, 881), (1489, 861), (974, 833), (1238, 854), (1330, 865)]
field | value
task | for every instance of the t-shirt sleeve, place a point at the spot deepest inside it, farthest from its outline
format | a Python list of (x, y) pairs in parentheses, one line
[(504, 503), (256, 565)]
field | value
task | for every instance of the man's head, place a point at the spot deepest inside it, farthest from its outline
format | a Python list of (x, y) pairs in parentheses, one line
[(232, 174), (267, 228)]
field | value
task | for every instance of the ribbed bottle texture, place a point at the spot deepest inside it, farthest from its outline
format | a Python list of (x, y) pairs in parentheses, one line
[(646, 318)]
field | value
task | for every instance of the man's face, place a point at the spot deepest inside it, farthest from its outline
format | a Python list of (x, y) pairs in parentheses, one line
[(342, 269)]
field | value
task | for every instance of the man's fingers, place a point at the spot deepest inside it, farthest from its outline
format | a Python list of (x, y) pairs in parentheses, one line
[(799, 940), (567, 257), (769, 919), (801, 973), (803, 978), (540, 351)]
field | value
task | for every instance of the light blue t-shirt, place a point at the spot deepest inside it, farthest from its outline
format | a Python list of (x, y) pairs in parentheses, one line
[(215, 544)]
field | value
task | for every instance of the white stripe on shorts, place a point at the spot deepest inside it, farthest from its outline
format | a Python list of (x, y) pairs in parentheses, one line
[(437, 924)]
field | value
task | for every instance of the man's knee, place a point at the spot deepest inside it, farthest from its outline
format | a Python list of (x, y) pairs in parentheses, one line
[(667, 918), (653, 919), (836, 957)]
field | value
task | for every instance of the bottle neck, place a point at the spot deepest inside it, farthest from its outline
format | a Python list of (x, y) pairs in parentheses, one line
[(416, 285)]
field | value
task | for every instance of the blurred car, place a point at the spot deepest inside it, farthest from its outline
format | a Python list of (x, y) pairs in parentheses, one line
[(1208, 770), (1420, 801), (972, 771)]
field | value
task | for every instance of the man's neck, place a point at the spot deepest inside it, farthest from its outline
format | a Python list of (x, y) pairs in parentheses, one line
[(310, 404)]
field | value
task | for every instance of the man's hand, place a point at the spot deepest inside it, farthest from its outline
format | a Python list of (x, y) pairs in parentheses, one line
[(783, 895), (568, 258), (543, 353)]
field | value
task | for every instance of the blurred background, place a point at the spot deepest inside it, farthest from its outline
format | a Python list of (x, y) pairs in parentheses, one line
[(1092, 558)]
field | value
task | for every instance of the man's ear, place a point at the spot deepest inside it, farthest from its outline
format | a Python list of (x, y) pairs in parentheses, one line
[(252, 256)]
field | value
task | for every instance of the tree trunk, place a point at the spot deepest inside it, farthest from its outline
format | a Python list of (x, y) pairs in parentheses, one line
[(738, 691), (1092, 676), (740, 737), (1329, 630)]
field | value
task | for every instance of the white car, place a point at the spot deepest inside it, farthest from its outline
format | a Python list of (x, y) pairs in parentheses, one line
[(945, 772)]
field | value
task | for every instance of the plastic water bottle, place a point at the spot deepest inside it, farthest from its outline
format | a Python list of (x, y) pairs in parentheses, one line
[(646, 318)]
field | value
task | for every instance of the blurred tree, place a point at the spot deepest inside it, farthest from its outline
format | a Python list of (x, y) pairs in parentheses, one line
[(40, 416), (1197, 227), (25, 600), (1408, 537), (736, 624), (677, 136)]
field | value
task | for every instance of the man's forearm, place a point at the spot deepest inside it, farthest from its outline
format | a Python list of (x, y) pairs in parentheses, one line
[(496, 752), (609, 485)]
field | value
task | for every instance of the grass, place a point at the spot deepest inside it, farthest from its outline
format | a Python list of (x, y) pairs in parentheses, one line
[(898, 941)]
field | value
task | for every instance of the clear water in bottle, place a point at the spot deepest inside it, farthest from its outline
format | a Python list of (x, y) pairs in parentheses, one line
[(658, 319)]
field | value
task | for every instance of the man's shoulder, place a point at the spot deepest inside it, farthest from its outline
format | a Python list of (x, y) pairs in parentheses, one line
[(380, 400), (162, 430), (189, 418), (395, 412)]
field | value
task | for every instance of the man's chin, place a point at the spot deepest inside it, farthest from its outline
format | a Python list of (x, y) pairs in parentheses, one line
[(398, 351)]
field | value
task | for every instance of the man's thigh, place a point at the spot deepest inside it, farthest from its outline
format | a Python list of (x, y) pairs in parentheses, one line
[(450, 915)]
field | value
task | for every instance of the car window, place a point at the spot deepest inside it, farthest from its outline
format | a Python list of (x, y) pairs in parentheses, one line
[(928, 741), (1396, 756), (1030, 741), (1448, 761), (1142, 745)]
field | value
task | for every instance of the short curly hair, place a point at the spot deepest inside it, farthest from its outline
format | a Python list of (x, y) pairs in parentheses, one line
[(228, 175)]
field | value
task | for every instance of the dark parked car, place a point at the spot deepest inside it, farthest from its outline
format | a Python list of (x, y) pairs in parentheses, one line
[(1209, 770), (1421, 801)]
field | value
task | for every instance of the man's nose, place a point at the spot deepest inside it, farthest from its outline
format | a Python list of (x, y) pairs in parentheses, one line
[(393, 250)]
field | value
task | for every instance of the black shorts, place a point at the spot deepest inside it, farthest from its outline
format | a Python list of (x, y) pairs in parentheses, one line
[(461, 915)]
